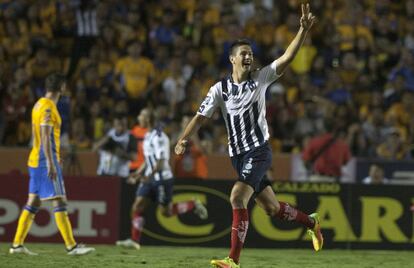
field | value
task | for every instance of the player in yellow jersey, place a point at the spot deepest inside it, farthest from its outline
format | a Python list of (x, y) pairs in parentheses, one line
[(46, 181)]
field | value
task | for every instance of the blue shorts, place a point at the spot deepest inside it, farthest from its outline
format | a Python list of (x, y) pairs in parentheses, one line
[(160, 192), (40, 184), (252, 166)]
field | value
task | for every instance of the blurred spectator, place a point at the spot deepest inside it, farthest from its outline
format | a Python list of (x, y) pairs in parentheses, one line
[(393, 148), (138, 133), (87, 29), (96, 127), (325, 154), (167, 30), (174, 85), (193, 163), (311, 123), (116, 150), (302, 63), (136, 73), (405, 68), (79, 140), (376, 176), (39, 67)]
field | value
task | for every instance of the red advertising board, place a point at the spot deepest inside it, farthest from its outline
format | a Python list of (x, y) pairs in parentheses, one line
[(93, 208)]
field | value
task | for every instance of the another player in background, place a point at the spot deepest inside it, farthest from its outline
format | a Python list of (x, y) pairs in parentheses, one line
[(138, 131), (241, 98), (156, 181), (116, 149), (46, 181), (193, 163)]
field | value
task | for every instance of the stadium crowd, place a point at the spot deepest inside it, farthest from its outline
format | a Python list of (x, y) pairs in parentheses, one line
[(356, 68)]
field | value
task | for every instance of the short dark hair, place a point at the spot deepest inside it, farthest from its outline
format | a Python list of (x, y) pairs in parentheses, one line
[(54, 82), (238, 43)]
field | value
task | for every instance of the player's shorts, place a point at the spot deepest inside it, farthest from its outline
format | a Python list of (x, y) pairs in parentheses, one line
[(160, 192), (40, 184), (252, 166)]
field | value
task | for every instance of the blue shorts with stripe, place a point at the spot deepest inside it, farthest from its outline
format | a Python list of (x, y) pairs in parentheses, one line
[(40, 184), (160, 191), (252, 166)]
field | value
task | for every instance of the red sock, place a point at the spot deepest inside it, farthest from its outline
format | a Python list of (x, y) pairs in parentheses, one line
[(182, 207), (289, 213), (238, 232), (137, 225)]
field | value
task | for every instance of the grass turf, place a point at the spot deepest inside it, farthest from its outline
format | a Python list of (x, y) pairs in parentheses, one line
[(53, 255)]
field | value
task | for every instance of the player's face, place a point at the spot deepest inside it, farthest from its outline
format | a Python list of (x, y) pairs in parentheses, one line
[(63, 88), (143, 118), (242, 59), (119, 126)]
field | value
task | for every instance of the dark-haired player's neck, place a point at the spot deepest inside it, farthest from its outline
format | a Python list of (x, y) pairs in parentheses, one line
[(53, 96), (239, 75)]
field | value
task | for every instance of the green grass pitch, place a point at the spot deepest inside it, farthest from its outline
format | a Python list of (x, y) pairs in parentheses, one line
[(53, 255)]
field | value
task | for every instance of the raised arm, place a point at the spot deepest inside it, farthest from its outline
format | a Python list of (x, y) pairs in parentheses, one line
[(306, 22), (189, 130)]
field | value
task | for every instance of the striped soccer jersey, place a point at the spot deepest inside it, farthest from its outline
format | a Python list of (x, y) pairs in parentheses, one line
[(243, 108), (156, 147)]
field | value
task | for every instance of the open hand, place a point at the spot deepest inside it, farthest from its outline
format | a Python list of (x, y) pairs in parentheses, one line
[(307, 19)]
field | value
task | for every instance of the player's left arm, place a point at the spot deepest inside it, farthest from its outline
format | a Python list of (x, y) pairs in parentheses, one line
[(137, 175), (306, 21), (162, 152)]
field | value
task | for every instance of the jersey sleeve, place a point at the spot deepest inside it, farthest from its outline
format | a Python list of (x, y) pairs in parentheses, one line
[(46, 116), (162, 147), (267, 75), (210, 102)]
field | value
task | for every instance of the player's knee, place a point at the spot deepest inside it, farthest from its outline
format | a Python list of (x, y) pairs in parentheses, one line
[(59, 203), (237, 201), (34, 202), (138, 207), (272, 209)]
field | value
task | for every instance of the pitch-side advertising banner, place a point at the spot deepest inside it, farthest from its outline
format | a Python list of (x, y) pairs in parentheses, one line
[(93, 209), (353, 216)]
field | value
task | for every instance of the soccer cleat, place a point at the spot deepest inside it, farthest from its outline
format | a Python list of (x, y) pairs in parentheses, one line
[(80, 249), (315, 232), (21, 250), (200, 210), (128, 243), (225, 263)]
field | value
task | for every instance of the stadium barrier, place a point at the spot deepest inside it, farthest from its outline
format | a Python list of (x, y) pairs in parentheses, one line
[(85, 163), (354, 216)]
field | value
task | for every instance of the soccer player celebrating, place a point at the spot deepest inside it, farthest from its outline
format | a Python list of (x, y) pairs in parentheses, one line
[(241, 98), (156, 181), (46, 181)]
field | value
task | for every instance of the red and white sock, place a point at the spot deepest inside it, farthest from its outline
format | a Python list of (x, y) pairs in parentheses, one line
[(182, 207), (238, 232), (137, 225), (289, 213)]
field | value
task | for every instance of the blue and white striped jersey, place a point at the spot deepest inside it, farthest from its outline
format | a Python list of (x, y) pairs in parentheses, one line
[(156, 146), (243, 108)]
